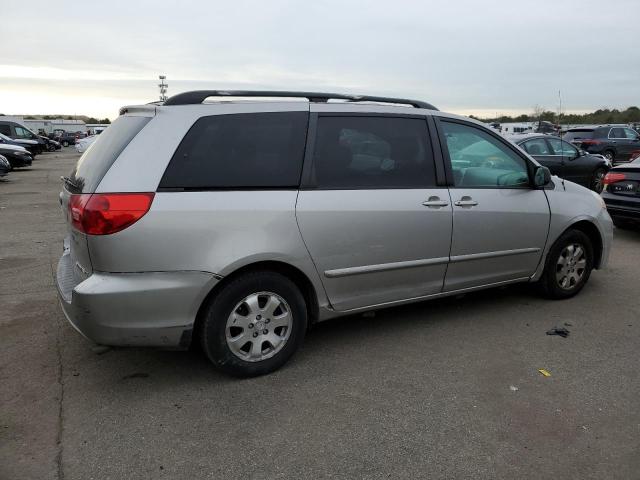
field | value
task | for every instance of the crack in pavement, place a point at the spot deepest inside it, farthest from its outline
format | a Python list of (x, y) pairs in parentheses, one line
[(60, 470)]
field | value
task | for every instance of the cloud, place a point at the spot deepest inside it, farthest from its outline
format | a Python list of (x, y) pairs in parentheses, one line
[(462, 56)]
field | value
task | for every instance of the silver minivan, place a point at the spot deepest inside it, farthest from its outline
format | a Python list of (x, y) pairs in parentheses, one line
[(239, 223)]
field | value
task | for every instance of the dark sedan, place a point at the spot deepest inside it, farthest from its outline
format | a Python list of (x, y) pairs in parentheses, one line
[(565, 160), (622, 193), (5, 166), (17, 156)]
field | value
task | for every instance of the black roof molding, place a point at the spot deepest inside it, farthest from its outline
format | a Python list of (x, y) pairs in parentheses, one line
[(198, 96)]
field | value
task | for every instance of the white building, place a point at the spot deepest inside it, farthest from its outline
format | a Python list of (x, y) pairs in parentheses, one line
[(518, 127), (56, 124)]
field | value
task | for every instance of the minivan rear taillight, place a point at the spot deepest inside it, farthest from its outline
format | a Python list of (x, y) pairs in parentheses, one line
[(106, 213), (588, 142)]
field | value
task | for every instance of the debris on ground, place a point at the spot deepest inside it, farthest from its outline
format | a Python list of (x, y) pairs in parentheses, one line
[(136, 375), (563, 332), (544, 372), (100, 349), (513, 388)]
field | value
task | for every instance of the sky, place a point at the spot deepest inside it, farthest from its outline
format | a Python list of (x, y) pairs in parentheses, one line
[(468, 57)]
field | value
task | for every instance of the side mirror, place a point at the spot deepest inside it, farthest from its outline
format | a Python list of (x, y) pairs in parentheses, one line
[(541, 176)]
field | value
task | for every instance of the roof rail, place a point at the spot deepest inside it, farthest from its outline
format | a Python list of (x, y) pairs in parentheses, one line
[(198, 96)]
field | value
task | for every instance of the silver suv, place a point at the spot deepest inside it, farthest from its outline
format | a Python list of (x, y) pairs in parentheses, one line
[(240, 223)]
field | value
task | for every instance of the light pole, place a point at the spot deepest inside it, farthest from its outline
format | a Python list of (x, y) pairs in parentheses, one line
[(163, 88)]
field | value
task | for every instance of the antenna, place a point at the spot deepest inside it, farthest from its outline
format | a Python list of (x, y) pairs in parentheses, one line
[(163, 88), (560, 106)]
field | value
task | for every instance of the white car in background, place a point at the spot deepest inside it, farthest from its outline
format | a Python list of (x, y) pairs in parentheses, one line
[(84, 143)]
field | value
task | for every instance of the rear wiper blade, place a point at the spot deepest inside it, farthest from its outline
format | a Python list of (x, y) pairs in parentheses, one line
[(68, 181)]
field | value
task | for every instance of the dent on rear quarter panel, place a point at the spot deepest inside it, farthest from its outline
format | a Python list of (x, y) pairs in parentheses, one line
[(215, 232)]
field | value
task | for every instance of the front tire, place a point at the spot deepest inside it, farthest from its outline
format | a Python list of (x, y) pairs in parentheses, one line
[(254, 324), (568, 265)]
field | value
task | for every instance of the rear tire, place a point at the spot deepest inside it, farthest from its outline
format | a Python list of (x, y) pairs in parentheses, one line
[(568, 265), (609, 155), (596, 180), (254, 324)]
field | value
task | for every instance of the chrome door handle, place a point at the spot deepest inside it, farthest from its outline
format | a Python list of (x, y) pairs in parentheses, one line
[(435, 202), (466, 202)]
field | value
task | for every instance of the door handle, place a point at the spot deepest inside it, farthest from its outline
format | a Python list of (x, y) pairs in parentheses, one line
[(466, 202), (435, 202)]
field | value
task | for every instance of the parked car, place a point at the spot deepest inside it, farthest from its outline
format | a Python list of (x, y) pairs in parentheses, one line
[(51, 145), (83, 143), (622, 193), (16, 155), (249, 221), (565, 160), (5, 166), (616, 142), (31, 145), (19, 133), (547, 127), (70, 138)]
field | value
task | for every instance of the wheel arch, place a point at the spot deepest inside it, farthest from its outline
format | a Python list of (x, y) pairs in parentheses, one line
[(591, 231), (294, 274)]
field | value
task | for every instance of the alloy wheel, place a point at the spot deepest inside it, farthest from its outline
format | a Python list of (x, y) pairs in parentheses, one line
[(571, 266), (258, 326), (597, 181)]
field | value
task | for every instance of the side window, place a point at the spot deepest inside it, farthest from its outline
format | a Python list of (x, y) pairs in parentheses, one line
[(480, 160), (537, 146), (631, 134), (372, 152), (252, 150), (22, 132), (560, 147), (617, 133), (5, 130)]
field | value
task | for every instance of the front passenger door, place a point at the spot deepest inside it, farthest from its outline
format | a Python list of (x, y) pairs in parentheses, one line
[(500, 223)]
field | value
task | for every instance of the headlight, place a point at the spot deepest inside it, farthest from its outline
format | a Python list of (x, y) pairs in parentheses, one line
[(20, 153)]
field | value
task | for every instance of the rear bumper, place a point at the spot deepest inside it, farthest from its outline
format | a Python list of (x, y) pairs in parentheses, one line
[(133, 309), (623, 208)]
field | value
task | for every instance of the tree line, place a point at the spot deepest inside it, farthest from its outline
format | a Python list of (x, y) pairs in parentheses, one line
[(603, 115)]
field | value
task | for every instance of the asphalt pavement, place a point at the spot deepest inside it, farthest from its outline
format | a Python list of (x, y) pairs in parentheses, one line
[(443, 389)]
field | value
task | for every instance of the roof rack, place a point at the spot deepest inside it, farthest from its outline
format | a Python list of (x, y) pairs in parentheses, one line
[(198, 96)]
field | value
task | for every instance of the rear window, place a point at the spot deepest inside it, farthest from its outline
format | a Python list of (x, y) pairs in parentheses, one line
[(578, 134), (96, 161), (248, 150)]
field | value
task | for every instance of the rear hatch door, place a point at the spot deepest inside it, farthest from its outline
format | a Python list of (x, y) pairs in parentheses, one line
[(85, 178)]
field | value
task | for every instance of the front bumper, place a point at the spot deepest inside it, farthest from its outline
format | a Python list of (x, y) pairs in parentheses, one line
[(155, 309), (18, 161)]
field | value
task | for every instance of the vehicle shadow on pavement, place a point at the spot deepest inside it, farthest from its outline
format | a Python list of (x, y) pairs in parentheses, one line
[(337, 341)]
